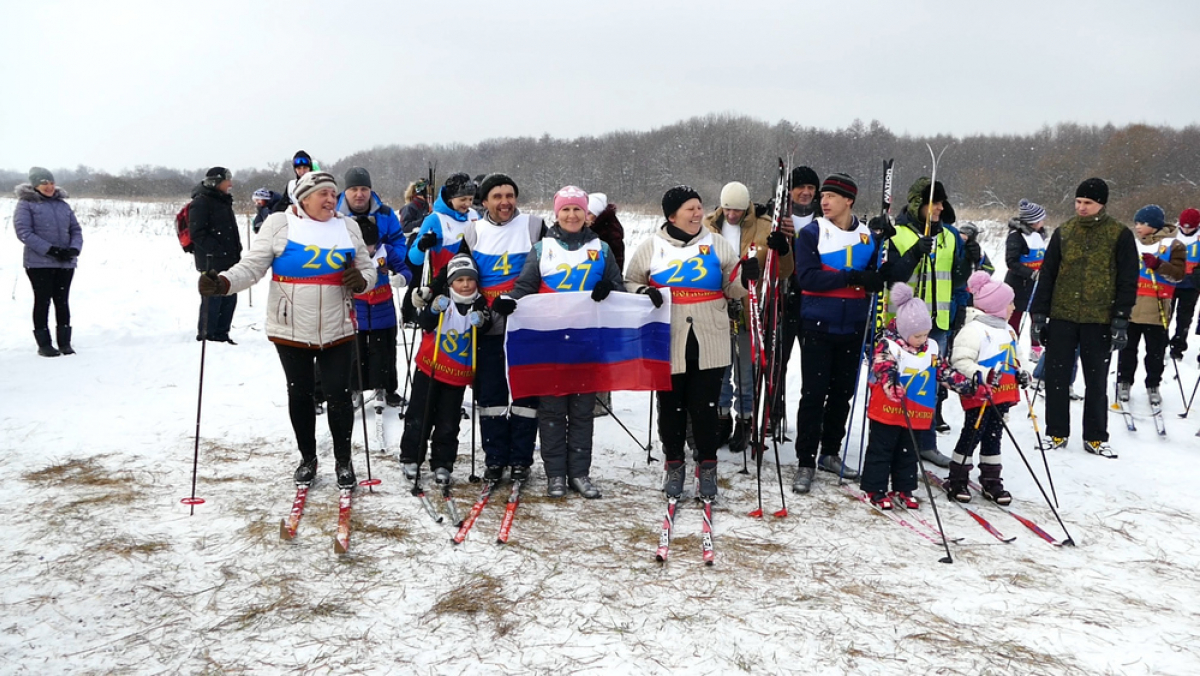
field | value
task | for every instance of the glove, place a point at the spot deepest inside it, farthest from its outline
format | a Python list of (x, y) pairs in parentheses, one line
[(480, 305), (421, 297), (476, 318), (894, 391), (58, 253), (601, 290), (974, 253), (750, 271), (778, 242), (656, 296), (427, 242), (73, 252), (881, 227), (978, 388), (1120, 333), (504, 306), (1039, 328), (440, 304), (924, 245), (994, 376), (212, 284), (352, 279), (397, 281), (1023, 379), (870, 280), (734, 308), (1151, 261)]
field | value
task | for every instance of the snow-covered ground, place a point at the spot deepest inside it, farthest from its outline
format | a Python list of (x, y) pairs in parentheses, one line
[(103, 570)]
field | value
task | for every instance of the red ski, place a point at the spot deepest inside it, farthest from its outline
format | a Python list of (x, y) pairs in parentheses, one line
[(706, 535), (473, 514), (288, 526), (510, 511), (664, 538), (341, 542)]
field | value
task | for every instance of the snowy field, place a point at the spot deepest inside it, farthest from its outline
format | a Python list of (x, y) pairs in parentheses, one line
[(104, 571)]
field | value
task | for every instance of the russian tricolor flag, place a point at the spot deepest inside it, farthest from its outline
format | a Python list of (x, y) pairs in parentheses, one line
[(567, 343)]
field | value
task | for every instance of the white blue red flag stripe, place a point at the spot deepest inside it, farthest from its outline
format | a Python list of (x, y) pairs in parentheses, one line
[(567, 343)]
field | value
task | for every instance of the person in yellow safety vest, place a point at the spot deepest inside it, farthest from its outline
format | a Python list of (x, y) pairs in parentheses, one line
[(935, 263)]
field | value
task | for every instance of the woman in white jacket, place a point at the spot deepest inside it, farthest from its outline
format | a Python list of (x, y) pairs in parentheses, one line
[(318, 260)]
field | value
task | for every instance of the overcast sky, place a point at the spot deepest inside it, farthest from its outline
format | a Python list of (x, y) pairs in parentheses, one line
[(192, 84)]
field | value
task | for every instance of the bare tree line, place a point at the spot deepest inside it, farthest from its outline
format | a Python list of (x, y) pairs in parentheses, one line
[(1142, 164)]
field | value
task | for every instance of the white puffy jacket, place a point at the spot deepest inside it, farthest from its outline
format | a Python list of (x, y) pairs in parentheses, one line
[(302, 315)]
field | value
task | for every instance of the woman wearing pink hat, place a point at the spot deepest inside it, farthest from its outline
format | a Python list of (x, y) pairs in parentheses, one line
[(985, 350), (570, 258)]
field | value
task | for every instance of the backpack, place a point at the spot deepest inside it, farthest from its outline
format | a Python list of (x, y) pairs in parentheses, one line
[(181, 229)]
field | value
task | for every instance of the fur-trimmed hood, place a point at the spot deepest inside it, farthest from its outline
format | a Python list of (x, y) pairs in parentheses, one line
[(27, 193)]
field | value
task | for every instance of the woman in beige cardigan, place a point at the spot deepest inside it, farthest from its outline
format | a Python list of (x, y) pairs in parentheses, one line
[(318, 260), (699, 270)]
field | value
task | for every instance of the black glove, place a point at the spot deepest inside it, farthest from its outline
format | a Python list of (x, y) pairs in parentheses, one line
[(352, 279), (750, 272), (1023, 379), (924, 245), (870, 280), (427, 242), (601, 290), (59, 253), (734, 308), (73, 252), (779, 243), (1120, 333), (212, 284), (504, 306), (654, 294), (881, 227), (479, 305), (1039, 329), (974, 253)]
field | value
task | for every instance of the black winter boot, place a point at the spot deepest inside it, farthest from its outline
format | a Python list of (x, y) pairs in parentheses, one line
[(306, 471), (64, 340), (741, 435), (45, 347)]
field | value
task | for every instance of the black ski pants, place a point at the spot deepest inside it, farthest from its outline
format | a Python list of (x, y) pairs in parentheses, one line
[(51, 285), (694, 392), (1156, 354), (565, 430), (890, 455), (336, 363), (1094, 342), (441, 423), (829, 368), (377, 355)]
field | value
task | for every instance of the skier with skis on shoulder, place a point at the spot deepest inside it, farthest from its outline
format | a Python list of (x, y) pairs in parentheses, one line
[(934, 264), (1187, 291), (985, 352), (906, 372), (446, 365), (309, 320), (500, 241), (571, 258), (740, 225), (1162, 265), (1024, 251), (701, 271), (837, 271), (1085, 293)]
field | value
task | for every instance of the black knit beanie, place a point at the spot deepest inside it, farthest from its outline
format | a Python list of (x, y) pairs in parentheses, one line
[(675, 198), (495, 180), (1094, 189)]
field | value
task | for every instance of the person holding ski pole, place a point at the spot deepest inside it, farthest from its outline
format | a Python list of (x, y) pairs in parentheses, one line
[(445, 367), (836, 259), (906, 365), (985, 352), (1024, 250), (571, 258), (740, 225), (1162, 264), (1085, 293), (1187, 291), (316, 257), (702, 271)]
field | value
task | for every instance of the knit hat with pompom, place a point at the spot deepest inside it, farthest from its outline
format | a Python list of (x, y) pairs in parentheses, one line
[(912, 314), (991, 296)]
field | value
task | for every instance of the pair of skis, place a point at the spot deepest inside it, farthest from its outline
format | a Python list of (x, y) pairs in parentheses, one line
[(708, 553), (506, 522), (987, 525), (921, 528), (341, 541), (1160, 425)]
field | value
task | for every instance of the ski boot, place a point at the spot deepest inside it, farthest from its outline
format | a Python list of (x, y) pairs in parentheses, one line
[(583, 486), (957, 490), (906, 498), (441, 478), (1053, 443), (410, 470), (394, 400), (935, 456), (556, 486), (673, 483), (305, 472), (493, 474), (880, 499), (802, 482), (831, 464), (1123, 392), (1155, 396), (519, 474), (1100, 448), (995, 492), (345, 476), (708, 479)]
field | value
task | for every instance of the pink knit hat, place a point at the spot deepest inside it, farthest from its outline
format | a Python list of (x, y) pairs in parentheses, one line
[(991, 296), (912, 314), (570, 195)]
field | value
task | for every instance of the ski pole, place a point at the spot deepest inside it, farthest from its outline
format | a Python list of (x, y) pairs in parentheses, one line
[(618, 421), (192, 501), (1068, 541), (429, 399), (370, 482), (474, 478), (928, 489), (649, 430), (1191, 399)]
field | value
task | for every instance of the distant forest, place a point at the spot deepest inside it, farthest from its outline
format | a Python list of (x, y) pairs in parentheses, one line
[(1142, 164)]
